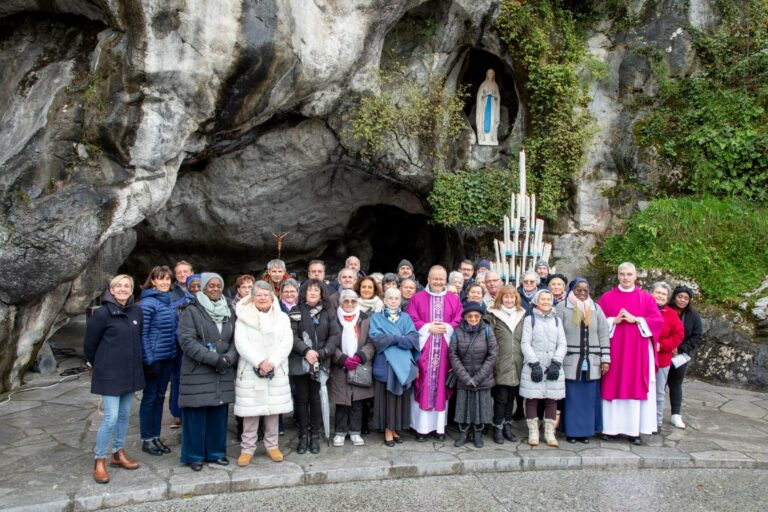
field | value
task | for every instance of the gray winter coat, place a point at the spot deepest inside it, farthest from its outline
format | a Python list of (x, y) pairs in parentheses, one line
[(201, 385), (542, 343), (596, 347), (473, 356), (509, 362)]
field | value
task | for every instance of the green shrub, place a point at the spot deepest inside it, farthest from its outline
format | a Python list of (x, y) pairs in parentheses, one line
[(418, 121), (719, 243), (473, 198)]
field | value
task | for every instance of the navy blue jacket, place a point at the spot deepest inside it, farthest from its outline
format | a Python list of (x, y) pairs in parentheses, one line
[(158, 337), (112, 345)]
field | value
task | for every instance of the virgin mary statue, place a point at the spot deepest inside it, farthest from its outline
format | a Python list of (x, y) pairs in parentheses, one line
[(487, 111)]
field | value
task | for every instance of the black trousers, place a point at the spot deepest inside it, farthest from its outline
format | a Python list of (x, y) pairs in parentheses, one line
[(503, 403), (306, 403), (349, 418), (675, 385)]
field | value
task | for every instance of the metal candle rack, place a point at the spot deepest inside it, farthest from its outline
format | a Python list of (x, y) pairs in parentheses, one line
[(523, 242)]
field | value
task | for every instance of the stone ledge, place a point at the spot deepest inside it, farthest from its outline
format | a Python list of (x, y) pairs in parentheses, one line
[(185, 483)]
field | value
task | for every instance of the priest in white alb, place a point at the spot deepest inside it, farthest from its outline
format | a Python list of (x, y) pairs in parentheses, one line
[(628, 388)]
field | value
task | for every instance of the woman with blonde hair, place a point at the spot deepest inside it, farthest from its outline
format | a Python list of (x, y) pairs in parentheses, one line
[(505, 315), (112, 347)]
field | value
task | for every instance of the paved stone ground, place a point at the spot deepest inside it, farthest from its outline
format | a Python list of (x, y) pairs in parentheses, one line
[(47, 438)]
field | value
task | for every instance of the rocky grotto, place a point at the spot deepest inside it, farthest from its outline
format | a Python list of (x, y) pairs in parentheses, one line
[(134, 131)]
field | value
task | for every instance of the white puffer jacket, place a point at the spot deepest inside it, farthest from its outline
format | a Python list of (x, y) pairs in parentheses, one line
[(543, 343), (258, 337)]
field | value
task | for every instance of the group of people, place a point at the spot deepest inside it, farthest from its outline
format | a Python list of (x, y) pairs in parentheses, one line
[(385, 351)]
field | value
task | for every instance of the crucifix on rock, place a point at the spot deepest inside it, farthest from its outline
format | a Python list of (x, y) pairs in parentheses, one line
[(279, 236)]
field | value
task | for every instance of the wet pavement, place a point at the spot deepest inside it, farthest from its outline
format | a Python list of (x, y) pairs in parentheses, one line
[(47, 438)]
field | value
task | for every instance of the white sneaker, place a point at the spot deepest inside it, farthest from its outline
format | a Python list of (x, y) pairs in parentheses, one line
[(338, 440), (357, 440), (677, 421)]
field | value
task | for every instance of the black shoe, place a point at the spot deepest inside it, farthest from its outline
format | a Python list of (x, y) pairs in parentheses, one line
[(151, 448), (161, 445), (571, 440), (584, 440), (518, 417), (479, 437), (221, 462), (635, 441), (607, 437), (314, 444), (508, 434), (440, 437), (196, 466), (398, 440), (302, 447), (391, 444), (498, 435), (365, 430), (421, 437)]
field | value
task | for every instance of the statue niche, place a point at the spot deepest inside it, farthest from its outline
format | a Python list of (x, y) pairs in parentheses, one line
[(487, 111)]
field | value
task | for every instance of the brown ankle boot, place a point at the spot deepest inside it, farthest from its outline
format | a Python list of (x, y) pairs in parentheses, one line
[(120, 459), (100, 471)]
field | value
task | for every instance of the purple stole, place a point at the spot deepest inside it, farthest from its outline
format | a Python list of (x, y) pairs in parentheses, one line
[(433, 362)]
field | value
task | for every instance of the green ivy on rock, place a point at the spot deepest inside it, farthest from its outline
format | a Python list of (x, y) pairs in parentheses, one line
[(711, 130), (719, 243)]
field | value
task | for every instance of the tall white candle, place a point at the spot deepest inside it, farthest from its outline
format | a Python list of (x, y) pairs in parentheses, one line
[(515, 246), (522, 172), (533, 210), (506, 237)]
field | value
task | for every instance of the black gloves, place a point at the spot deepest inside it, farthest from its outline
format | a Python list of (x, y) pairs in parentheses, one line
[(537, 374), (553, 370), (222, 364)]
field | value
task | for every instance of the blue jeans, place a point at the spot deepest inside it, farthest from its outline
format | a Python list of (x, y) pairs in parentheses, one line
[(117, 412), (204, 433), (151, 408)]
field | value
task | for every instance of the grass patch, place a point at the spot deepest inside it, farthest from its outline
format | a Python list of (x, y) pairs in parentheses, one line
[(719, 243)]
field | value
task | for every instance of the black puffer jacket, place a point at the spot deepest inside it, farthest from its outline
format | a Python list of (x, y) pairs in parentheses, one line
[(112, 345), (201, 385), (691, 324), (326, 336), (473, 356)]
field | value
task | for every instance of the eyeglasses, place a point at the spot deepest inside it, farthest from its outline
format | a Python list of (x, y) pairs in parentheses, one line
[(349, 301), (528, 281)]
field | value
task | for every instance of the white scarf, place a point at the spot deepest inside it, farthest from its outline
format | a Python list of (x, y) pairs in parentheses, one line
[(249, 314), (348, 337), (374, 304), (510, 317)]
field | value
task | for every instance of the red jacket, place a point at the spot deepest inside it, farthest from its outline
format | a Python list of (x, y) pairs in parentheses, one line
[(672, 334)]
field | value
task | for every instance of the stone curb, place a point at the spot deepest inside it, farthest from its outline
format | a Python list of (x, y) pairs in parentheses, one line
[(186, 484)]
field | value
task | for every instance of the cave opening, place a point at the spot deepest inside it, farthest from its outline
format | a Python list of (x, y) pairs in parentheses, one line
[(476, 63), (383, 235)]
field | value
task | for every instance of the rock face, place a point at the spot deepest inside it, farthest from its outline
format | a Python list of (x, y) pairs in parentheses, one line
[(729, 356), (146, 131)]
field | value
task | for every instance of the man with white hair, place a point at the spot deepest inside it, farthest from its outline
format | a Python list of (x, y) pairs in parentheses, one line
[(275, 275), (629, 386), (353, 262)]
